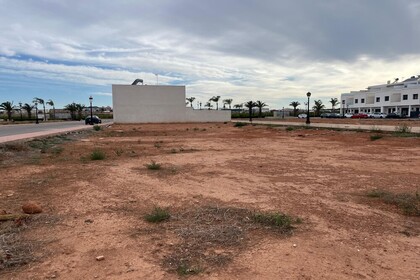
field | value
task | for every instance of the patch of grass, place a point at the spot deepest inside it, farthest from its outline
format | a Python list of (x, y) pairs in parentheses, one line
[(97, 155), (403, 129), (57, 150), (275, 219), (240, 124), (14, 147), (153, 165), (96, 127), (376, 129), (157, 215), (290, 128), (184, 270), (408, 203), (375, 137)]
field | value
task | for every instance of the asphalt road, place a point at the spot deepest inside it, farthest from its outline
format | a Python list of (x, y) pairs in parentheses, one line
[(22, 131)]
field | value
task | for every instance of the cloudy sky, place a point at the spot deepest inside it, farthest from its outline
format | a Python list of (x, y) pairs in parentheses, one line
[(269, 50)]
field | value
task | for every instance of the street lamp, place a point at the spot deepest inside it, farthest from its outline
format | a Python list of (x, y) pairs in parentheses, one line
[(343, 102), (308, 121), (283, 112), (91, 112), (36, 113)]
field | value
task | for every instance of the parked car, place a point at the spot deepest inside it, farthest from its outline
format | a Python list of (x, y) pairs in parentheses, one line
[(95, 120), (302, 116), (393, 116), (335, 116), (348, 115), (360, 116), (325, 115), (378, 115)]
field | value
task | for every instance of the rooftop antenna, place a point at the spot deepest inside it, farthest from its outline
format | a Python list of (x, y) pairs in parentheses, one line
[(137, 81)]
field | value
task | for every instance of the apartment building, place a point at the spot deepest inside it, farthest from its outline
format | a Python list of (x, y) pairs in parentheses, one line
[(393, 97)]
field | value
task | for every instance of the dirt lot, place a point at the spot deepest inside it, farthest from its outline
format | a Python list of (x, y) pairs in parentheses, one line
[(214, 179)]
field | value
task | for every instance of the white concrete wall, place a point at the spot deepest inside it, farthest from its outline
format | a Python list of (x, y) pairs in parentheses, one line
[(207, 115), (158, 104)]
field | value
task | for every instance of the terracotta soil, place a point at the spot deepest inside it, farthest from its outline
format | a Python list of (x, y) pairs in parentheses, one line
[(96, 208)]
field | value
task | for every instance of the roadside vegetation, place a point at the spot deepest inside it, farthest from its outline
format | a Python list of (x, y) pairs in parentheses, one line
[(408, 203)]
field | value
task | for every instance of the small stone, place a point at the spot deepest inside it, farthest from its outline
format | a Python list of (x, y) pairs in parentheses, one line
[(88, 221), (100, 258), (31, 208), (294, 245)]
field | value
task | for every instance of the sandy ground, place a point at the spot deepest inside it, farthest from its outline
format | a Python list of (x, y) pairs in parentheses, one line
[(94, 208)]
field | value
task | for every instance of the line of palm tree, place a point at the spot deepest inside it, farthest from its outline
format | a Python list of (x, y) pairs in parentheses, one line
[(250, 105), (260, 105), (8, 107), (79, 108), (228, 102), (318, 107), (208, 105), (334, 102), (215, 99), (191, 100), (295, 104), (51, 103), (28, 108), (42, 102), (238, 106)]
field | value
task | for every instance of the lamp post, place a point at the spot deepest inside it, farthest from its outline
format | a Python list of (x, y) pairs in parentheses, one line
[(36, 113), (343, 102), (308, 121), (91, 111), (283, 112)]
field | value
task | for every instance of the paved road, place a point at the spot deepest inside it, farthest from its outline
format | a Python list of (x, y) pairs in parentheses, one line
[(24, 131)]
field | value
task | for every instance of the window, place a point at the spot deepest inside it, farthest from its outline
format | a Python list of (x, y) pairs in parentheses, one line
[(386, 98), (356, 101), (362, 100), (415, 96), (378, 99), (405, 96)]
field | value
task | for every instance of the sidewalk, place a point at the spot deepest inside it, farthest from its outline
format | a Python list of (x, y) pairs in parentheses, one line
[(27, 136), (330, 125)]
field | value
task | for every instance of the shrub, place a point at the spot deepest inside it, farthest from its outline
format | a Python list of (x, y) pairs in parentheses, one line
[(290, 128), (408, 203), (96, 127), (97, 155), (403, 128), (157, 215), (153, 165), (375, 137), (277, 220), (240, 124)]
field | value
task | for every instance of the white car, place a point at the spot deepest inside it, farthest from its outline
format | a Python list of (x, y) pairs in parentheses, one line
[(302, 116), (348, 115), (379, 115)]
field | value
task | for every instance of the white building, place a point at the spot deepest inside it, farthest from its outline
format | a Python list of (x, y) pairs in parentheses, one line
[(158, 104), (397, 97)]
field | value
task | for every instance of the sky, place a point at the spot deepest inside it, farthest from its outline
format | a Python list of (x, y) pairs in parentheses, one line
[(274, 51)]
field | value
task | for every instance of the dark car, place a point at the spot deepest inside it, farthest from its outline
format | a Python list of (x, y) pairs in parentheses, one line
[(393, 116), (95, 120)]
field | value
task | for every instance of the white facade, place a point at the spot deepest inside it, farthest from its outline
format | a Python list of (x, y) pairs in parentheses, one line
[(398, 97), (158, 104)]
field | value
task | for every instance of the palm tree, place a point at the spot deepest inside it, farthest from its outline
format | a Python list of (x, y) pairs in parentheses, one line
[(295, 104), (191, 100), (215, 99), (41, 101), (318, 107), (228, 102), (260, 105), (208, 104), (8, 107), (28, 108), (51, 103), (72, 109), (250, 105), (79, 108), (334, 102), (238, 106)]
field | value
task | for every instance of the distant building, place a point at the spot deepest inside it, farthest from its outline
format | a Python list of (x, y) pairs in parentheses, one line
[(397, 97)]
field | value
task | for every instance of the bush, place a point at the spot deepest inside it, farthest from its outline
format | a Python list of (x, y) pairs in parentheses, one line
[(290, 128), (96, 127), (408, 203), (277, 220), (240, 124), (157, 215), (375, 137), (97, 155), (403, 128), (153, 165)]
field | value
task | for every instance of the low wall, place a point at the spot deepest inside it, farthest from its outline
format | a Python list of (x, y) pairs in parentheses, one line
[(207, 115)]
